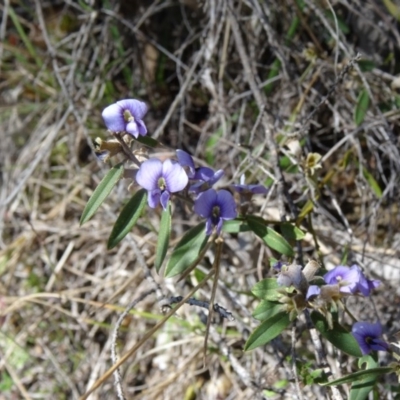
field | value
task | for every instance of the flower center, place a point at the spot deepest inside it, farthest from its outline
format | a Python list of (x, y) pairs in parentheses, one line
[(128, 117), (161, 183), (216, 211)]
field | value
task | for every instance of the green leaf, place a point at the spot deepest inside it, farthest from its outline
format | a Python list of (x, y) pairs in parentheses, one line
[(128, 218), (372, 373), (235, 226), (148, 141), (32, 49), (211, 146), (392, 8), (292, 232), (361, 107), (268, 330), (101, 192), (372, 183), (163, 237), (338, 335), (366, 65), (6, 383), (270, 237), (360, 390), (266, 309), (306, 209), (266, 289), (187, 250)]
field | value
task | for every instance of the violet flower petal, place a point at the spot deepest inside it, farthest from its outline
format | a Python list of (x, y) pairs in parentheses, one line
[(205, 202), (137, 108), (132, 128), (312, 291), (164, 199), (227, 205), (368, 336), (149, 173), (113, 118), (175, 176), (154, 198), (186, 160)]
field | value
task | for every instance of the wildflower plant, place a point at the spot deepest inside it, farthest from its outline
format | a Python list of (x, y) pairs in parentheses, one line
[(292, 292)]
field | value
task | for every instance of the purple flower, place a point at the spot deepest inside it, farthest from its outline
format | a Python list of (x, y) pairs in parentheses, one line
[(292, 275), (351, 280), (126, 116), (279, 264), (368, 336), (186, 160), (312, 291), (365, 286), (205, 177), (160, 180), (249, 189), (217, 207)]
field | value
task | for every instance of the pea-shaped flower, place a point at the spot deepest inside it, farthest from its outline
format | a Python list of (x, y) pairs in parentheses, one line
[(368, 336), (126, 116), (351, 280), (217, 207), (161, 179)]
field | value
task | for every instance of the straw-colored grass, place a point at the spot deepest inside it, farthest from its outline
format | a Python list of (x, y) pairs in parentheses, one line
[(233, 83)]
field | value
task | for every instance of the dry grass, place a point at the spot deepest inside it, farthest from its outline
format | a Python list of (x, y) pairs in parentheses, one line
[(206, 69)]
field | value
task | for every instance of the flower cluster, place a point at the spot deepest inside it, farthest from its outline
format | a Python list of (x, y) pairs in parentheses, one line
[(342, 281), (162, 179)]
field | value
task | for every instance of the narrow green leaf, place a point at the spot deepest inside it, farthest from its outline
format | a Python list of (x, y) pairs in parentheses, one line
[(369, 374), (338, 335), (270, 237), (292, 232), (366, 65), (361, 107), (101, 192), (372, 183), (211, 145), (266, 289), (306, 209), (163, 237), (235, 226), (393, 8), (268, 330), (266, 309), (128, 218), (24, 37), (361, 389), (187, 250)]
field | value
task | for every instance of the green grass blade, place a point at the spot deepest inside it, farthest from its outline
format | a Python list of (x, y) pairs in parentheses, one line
[(28, 44), (101, 192), (361, 107)]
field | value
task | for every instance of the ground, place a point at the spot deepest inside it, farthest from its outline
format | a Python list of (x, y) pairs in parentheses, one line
[(301, 96)]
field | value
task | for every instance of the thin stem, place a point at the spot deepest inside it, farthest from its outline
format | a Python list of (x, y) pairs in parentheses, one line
[(219, 241), (127, 151)]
